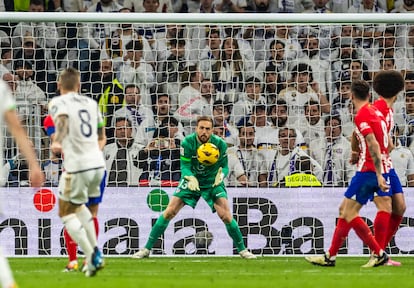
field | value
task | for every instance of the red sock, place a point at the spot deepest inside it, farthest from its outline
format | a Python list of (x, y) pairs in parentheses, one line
[(364, 233), (96, 223), (71, 246), (381, 224), (395, 222), (341, 232)]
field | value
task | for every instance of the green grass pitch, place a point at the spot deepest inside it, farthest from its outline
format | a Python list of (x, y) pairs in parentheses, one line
[(194, 272)]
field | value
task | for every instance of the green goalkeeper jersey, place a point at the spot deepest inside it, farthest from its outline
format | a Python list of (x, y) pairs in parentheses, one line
[(190, 165)]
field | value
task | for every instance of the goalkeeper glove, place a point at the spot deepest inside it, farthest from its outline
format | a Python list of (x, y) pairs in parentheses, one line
[(219, 177), (192, 183)]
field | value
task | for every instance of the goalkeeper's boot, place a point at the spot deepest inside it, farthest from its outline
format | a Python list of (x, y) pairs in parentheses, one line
[(391, 262), (246, 254), (142, 253), (321, 260), (376, 260), (73, 266)]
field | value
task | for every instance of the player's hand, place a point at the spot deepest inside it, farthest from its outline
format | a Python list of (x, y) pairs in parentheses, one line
[(219, 177), (56, 147), (382, 184), (192, 183), (37, 178)]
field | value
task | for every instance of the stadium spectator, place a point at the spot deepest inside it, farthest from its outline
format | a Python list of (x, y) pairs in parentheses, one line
[(109, 93), (262, 6), (404, 119), (163, 114), (303, 89), (16, 171), (342, 94), (321, 69), (388, 49), (278, 116), (221, 117), (244, 107), (248, 155), (287, 161), (122, 156), (137, 6), (276, 62), (169, 72), (231, 6), (191, 85), (140, 116), (160, 160), (6, 59), (402, 160), (319, 6), (332, 150), (174, 128), (230, 70), (188, 112), (272, 85), (115, 44), (366, 6), (211, 52), (52, 169), (136, 70), (406, 7), (30, 51), (311, 125)]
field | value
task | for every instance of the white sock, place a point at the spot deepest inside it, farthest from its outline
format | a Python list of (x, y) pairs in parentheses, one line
[(85, 217), (6, 276), (78, 233)]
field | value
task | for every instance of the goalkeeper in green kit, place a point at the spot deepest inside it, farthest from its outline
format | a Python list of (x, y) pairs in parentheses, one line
[(198, 180)]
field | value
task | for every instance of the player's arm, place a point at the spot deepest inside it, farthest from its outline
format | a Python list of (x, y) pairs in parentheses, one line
[(36, 175), (374, 151), (391, 145), (354, 149), (101, 137), (61, 130)]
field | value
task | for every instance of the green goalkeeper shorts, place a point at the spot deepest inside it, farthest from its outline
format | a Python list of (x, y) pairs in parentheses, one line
[(210, 195)]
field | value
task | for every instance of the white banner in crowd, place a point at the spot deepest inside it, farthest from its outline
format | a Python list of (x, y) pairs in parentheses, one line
[(273, 222)]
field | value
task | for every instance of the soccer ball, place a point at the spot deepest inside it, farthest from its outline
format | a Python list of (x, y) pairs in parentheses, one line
[(208, 154)]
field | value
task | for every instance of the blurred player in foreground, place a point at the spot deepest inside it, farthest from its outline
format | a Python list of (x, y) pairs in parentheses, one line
[(391, 205), (79, 135), (373, 162), (189, 191), (9, 116), (93, 205)]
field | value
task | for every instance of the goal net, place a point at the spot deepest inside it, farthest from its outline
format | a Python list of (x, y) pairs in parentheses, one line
[(277, 88)]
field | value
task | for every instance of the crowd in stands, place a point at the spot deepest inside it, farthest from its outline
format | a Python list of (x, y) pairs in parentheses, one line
[(279, 95)]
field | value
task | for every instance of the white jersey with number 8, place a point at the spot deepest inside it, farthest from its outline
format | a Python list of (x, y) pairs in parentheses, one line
[(80, 147)]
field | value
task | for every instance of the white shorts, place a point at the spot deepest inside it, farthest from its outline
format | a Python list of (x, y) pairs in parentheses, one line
[(78, 187)]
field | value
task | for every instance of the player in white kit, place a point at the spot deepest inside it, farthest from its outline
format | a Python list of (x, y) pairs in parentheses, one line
[(79, 135)]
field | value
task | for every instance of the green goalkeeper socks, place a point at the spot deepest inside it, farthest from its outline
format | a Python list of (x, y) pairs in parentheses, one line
[(235, 234), (156, 231)]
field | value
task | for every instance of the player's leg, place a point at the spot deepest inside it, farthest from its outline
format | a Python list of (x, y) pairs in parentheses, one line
[(174, 206), (382, 219), (67, 212), (341, 232), (72, 249), (6, 275), (72, 195), (216, 198)]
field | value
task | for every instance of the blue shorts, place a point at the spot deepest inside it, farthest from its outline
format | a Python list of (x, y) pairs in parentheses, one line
[(395, 185), (362, 187), (97, 200)]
